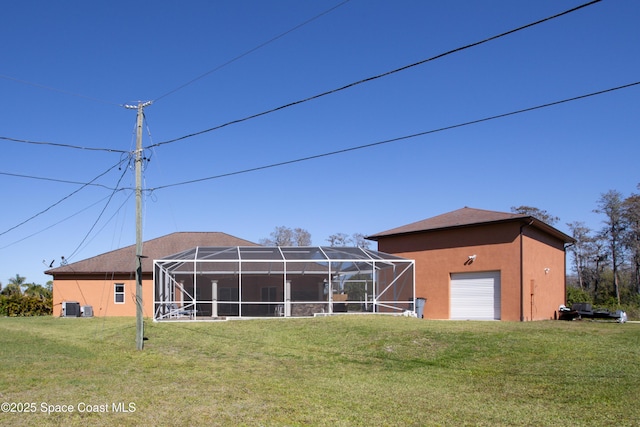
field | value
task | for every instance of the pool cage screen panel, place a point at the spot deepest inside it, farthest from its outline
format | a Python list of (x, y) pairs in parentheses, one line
[(221, 282)]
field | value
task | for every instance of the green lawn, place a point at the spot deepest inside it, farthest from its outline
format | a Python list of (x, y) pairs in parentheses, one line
[(336, 371)]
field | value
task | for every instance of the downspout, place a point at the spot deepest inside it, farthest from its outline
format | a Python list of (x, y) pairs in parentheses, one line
[(522, 271)]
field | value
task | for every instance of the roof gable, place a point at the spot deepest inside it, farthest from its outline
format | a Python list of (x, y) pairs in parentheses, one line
[(123, 260)]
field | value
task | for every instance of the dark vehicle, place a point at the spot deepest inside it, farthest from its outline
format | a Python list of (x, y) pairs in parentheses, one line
[(583, 310)]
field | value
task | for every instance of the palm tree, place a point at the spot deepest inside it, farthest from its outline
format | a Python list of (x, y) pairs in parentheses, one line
[(37, 291), (15, 286), (18, 281)]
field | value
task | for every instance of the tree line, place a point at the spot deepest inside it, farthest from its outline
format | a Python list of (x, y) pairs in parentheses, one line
[(19, 298), (606, 262), (287, 236)]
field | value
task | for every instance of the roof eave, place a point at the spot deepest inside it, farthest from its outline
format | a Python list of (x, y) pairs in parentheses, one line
[(524, 219)]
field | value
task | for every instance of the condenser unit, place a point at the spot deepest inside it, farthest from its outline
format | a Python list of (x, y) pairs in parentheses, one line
[(70, 309), (87, 311)]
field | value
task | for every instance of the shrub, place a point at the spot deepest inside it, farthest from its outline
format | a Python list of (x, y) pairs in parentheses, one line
[(575, 295), (23, 305)]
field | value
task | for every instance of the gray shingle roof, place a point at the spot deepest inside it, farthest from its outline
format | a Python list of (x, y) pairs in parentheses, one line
[(123, 260)]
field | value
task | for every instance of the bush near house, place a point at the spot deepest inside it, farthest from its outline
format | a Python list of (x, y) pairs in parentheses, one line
[(17, 305)]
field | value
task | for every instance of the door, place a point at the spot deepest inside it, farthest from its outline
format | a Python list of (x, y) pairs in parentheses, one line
[(475, 296)]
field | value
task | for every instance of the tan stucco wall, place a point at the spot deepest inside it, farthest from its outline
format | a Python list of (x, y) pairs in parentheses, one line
[(99, 293), (438, 254)]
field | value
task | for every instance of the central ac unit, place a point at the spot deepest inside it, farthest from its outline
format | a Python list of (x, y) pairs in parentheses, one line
[(70, 309), (87, 311)]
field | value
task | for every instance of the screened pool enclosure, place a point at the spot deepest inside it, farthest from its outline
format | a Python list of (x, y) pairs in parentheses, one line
[(222, 282)]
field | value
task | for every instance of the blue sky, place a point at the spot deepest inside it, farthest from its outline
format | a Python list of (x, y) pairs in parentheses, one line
[(68, 67)]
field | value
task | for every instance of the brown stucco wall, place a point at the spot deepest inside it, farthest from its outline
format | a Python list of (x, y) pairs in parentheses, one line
[(497, 247), (543, 274), (98, 293)]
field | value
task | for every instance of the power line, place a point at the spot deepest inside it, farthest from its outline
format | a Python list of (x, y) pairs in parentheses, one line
[(99, 216), (77, 95), (401, 138), (376, 77), (54, 224), (53, 180), (63, 199), (252, 50), (54, 144)]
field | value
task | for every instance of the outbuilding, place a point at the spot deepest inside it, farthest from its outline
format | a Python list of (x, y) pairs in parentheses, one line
[(474, 264)]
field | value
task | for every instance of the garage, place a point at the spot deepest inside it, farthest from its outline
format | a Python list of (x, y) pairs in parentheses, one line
[(475, 296), (503, 255)]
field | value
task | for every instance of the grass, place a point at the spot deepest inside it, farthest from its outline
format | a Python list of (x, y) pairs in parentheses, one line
[(337, 371)]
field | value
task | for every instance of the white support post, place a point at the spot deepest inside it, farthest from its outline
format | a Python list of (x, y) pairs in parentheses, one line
[(287, 298), (214, 298), (330, 282)]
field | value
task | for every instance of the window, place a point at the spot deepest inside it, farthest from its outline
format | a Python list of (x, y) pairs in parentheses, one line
[(118, 293)]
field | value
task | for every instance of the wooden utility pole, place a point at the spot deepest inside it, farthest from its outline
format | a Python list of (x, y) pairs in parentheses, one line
[(138, 169)]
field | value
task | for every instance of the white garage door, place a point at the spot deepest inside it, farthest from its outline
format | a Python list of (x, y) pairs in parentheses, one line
[(475, 296)]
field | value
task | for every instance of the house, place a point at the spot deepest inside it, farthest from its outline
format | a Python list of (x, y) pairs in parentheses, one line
[(199, 276), (107, 282), (480, 264)]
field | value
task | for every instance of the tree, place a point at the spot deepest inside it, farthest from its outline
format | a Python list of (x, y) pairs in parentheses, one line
[(599, 258), (37, 291), (631, 236), (342, 239), (285, 236), (301, 237), (610, 205), (281, 236), (581, 249), (607, 262), (15, 286), (540, 214), (18, 280), (359, 241), (36, 300), (338, 239)]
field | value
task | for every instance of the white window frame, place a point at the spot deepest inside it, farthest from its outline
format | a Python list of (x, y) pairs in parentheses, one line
[(117, 293)]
